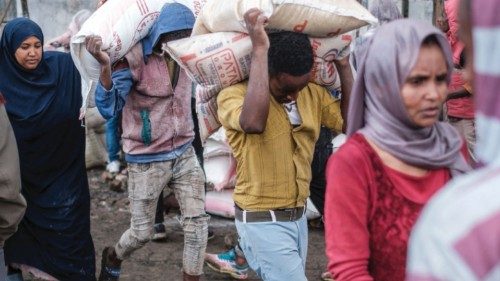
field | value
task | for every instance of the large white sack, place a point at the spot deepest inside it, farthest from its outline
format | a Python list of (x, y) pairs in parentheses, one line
[(218, 60), (219, 163), (220, 203), (121, 24), (319, 18)]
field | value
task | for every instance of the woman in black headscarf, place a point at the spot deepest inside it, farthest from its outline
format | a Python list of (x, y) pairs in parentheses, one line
[(43, 102)]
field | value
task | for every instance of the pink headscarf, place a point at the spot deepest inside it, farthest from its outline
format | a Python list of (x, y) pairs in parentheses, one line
[(486, 40), (376, 108)]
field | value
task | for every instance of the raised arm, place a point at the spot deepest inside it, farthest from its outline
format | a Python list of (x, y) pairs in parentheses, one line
[(93, 44), (255, 108), (346, 82)]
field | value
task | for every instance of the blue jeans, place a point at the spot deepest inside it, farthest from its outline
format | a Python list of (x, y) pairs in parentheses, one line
[(112, 138), (276, 251)]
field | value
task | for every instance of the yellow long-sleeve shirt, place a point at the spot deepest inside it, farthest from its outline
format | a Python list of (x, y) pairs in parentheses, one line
[(274, 167)]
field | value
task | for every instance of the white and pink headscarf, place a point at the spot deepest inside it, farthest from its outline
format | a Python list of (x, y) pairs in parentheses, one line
[(486, 40)]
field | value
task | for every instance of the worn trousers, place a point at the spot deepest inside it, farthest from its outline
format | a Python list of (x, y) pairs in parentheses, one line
[(146, 181)]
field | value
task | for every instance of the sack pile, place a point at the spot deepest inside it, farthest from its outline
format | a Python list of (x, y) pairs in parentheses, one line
[(221, 59)]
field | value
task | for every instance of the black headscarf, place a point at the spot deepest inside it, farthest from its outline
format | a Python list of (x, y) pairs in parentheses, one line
[(30, 92)]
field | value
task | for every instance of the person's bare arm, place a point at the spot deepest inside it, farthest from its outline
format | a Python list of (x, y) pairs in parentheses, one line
[(93, 44), (346, 82), (255, 109)]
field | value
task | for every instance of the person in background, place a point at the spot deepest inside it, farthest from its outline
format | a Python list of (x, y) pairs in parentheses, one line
[(154, 95), (460, 105), (397, 155), (43, 93), (457, 236), (12, 203), (385, 11)]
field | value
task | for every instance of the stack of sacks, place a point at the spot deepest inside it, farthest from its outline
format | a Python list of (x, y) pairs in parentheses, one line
[(220, 59), (121, 24), (220, 170)]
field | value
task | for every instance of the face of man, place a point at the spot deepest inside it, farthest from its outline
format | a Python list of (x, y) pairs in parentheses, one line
[(285, 88)]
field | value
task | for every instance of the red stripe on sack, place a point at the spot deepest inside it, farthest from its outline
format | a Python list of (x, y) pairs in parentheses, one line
[(141, 4), (479, 248), (485, 13), (487, 100)]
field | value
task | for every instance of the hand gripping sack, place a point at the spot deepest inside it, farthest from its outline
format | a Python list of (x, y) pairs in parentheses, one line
[(121, 24), (318, 18)]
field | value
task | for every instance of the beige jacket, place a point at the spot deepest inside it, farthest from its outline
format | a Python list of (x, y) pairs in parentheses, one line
[(12, 203)]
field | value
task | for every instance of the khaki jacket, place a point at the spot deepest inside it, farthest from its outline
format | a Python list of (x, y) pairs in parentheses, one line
[(12, 203)]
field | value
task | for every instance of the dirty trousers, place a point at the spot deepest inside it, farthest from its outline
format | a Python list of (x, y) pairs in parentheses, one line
[(146, 181)]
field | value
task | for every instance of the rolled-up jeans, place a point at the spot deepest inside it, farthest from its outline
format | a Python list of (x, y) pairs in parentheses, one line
[(146, 181)]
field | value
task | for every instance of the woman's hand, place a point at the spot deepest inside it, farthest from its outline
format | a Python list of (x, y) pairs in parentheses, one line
[(93, 44), (255, 21)]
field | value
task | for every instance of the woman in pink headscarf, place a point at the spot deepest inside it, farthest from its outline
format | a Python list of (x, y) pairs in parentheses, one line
[(398, 154)]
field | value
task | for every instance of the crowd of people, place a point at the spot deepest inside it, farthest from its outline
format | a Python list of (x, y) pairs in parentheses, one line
[(409, 196)]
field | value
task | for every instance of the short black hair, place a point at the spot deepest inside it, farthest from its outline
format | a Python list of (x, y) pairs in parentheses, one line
[(431, 40), (290, 53)]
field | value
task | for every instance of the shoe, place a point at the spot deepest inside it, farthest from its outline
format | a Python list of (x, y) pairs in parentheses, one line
[(327, 276), (226, 263), (159, 232), (108, 271), (113, 167)]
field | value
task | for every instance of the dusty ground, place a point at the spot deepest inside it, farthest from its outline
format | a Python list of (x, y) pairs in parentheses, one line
[(163, 261)]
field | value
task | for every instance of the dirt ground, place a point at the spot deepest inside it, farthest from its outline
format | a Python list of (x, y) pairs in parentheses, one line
[(163, 260)]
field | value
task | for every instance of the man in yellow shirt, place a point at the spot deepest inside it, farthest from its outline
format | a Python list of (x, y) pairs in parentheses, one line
[(272, 122)]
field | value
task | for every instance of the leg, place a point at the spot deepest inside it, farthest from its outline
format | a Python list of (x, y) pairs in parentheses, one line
[(275, 251), (466, 128), (188, 183), (322, 152), (113, 144), (160, 209), (146, 181)]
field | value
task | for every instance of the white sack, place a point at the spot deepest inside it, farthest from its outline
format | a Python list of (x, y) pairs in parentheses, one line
[(217, 60), (121, 24), (220, 203), (320, 18), (219, 163)]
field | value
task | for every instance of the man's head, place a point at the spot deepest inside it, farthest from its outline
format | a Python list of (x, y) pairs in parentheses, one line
[(290, 60), (174, 22)]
